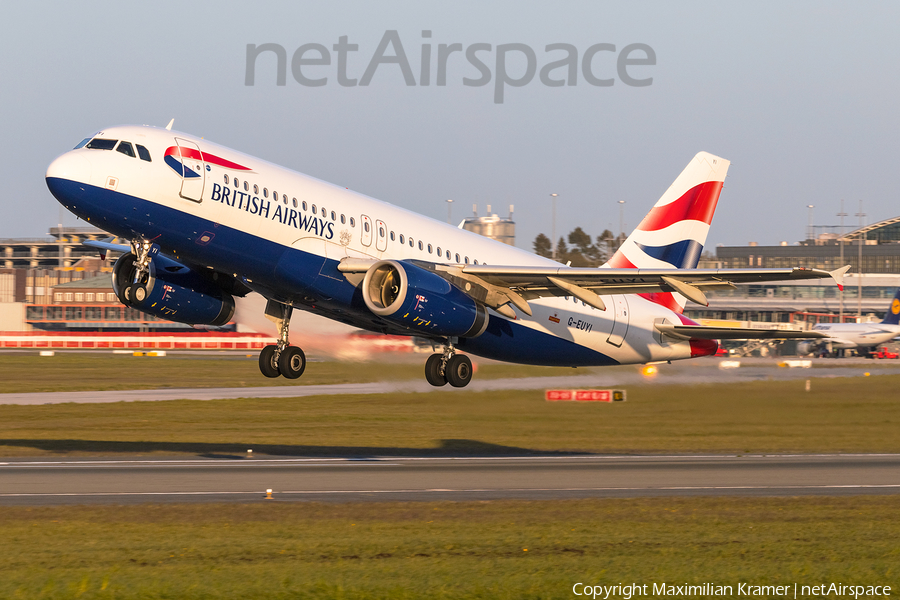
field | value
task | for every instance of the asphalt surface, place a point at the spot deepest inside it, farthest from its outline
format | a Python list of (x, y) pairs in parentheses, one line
[(686, 372), (241, 479)]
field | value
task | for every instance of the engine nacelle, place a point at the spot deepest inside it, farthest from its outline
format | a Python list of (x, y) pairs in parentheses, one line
[(421, 300), (173, 292)]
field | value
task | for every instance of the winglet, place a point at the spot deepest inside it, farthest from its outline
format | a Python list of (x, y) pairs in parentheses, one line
[(838, 276)]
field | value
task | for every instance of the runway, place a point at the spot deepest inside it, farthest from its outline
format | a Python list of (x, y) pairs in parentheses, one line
[(98, 481)]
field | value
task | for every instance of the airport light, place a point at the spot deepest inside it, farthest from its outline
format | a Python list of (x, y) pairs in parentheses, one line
[(553, 234), (809, 230), (621, 221), (859, 268)]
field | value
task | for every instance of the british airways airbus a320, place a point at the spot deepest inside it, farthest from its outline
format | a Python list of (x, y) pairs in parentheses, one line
[(208, 224)]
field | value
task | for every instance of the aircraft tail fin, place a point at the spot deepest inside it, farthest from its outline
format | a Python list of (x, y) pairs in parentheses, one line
[(673, 233), (892, 316)]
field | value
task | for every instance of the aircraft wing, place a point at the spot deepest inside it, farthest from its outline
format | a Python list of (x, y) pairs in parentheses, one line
[(106, 245), (733, 333), (497, 287)]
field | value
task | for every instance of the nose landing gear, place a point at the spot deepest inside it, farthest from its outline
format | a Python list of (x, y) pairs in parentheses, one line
[(448, 367), (281, 358)]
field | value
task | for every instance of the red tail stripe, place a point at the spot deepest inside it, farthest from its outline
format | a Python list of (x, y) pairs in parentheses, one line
[(206, 157), (697, 204)]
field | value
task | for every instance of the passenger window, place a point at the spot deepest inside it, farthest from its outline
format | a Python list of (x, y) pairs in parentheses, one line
[(421, 247), (392, 236), (324, 212), (343, 219), (476, 261), (457, 258), (402, 240), (333, 216), (98, 144), (315, 211), (366, 226), (381, 232), (145, 154), (439, 251), (265, 192), (237, 183), (411, 242), (284, 198), (226, 178), (304, 205), (246, 186), (448, 255), (255, 189), (294, 201), (352, 222), (429, 248), (467, 260)]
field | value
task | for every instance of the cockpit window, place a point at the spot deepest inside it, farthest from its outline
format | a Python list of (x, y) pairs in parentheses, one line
[(125, 148), (98, 144), (81, 143), (145, 154)]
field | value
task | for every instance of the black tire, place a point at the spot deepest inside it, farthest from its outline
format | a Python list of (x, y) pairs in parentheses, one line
[(138, 293), (433, 371), (268, 366), (125, 296), (459, 370), (292, 362)]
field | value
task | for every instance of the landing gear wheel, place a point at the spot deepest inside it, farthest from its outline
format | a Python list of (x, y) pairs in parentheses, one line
[(268, 365), (138, 293), (433, 371), (125, 297), (292, 362), (458, 370)]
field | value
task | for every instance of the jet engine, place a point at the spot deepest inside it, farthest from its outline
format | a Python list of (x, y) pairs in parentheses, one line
[(421, 300), (173, 292)]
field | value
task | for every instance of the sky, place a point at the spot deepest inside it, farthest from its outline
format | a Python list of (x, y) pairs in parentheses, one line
[(802, 97)]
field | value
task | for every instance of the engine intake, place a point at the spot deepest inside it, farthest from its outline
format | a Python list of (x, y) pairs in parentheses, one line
[(421, 300), (173, 292)]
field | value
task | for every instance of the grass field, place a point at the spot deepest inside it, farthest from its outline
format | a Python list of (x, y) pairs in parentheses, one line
[(839, 415), (484, 550), (74, 371)]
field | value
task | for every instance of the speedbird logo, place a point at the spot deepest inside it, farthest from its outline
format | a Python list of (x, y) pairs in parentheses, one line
[(174, 153)]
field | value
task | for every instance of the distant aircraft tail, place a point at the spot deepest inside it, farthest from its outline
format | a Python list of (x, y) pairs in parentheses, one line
[(892, 316), (673, 233)]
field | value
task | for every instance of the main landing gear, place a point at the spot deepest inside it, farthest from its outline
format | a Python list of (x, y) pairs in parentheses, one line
[(134, 292), (448, 367), (281, 358)]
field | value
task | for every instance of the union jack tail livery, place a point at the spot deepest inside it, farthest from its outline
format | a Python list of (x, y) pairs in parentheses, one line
[(673, 233)]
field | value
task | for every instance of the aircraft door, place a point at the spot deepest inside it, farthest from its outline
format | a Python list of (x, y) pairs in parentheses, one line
[(380, 236), (366, 224), (193, 170), (620, 320)]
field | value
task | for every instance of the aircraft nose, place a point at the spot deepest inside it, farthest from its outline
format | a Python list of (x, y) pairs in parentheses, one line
[(72, 166)]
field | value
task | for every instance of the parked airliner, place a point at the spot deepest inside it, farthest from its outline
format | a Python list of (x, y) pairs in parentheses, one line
[(207, 223), (859, 336)]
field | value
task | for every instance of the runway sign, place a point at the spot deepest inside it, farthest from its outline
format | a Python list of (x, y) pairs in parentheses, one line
[(584, 395)]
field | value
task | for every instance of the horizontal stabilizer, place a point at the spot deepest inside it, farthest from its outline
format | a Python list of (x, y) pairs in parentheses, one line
[(702, 332)]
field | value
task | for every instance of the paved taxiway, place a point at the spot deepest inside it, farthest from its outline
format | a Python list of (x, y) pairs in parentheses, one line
[(31, 482)]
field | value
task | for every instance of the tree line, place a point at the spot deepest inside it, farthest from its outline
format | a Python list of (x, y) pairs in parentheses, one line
[(582, 250)]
